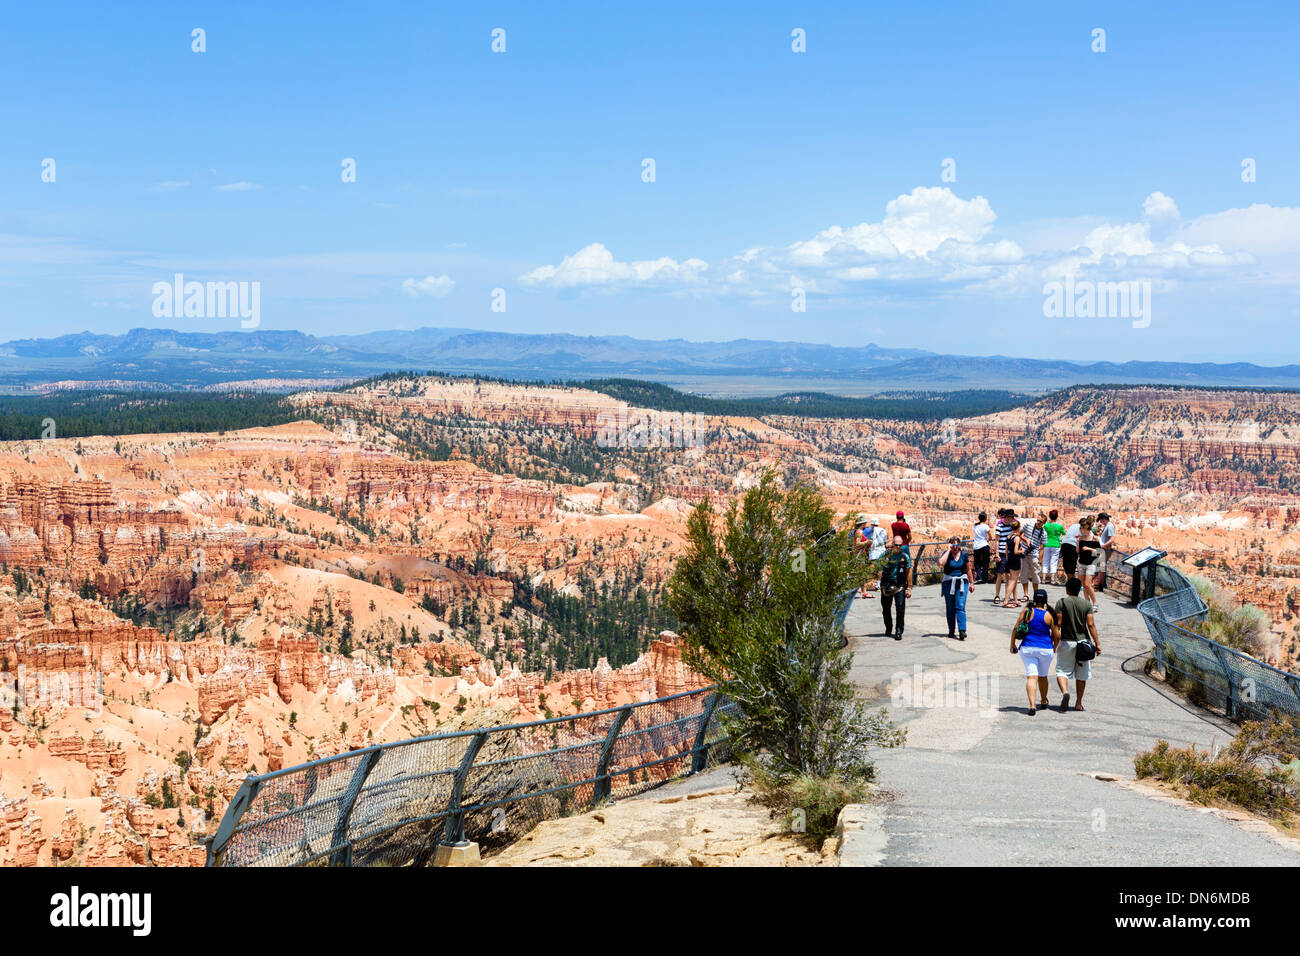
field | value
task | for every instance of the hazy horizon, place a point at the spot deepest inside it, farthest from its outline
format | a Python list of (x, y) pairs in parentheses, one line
[(1080, 360)]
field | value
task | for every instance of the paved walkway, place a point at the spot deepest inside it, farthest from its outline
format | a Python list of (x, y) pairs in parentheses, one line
[(990, 785)]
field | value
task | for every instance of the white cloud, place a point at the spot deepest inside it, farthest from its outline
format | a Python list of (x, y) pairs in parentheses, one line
[(1260, 229), (594, 265), (433, 286), (1149, 249), (238, 187), (929, 234), (931, 242), (1159, 208), (917, 224)]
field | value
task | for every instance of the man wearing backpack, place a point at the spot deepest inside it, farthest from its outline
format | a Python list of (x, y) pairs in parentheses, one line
[(1073, 624), (895, 586)]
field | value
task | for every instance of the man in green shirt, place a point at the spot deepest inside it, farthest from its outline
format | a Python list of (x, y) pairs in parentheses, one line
[(1052, 549), (895, 585), (1072, 622)]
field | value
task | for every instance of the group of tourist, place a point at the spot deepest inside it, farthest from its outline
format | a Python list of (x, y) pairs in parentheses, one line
[(1022, 554), (1039, 549)]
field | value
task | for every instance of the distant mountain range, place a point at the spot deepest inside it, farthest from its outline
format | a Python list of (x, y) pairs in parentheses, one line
[(172, 359)]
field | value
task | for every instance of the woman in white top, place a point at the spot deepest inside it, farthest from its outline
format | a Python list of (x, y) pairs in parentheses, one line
[(879, 540), (1070, 551)]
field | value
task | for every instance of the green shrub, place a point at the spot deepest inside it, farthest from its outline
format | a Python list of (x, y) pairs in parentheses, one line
[(808, 806), (1254, 772), (755, 595), (1244, 628)]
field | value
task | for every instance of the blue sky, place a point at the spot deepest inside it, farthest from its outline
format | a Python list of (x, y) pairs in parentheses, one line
[(775, 171)]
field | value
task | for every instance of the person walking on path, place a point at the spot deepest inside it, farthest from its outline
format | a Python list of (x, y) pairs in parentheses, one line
[(958, 578), (980, 548), (1074, 623), (1036, 632), (895, 586), (1106, 537), (1052, 532)]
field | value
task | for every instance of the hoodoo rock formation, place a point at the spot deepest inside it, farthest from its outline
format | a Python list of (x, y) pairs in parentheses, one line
[(177, 611)]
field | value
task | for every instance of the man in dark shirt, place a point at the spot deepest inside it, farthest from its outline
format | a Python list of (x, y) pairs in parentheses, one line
[(1072, 621), (895, 585)]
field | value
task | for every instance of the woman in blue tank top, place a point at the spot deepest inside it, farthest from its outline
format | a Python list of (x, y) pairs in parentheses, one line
[(1036, 647)]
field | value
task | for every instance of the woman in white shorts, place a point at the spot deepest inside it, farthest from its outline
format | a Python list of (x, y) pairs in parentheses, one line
[(1036, 649)]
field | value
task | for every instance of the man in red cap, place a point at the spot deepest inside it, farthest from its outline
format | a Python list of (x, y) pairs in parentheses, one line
[(901, 529)]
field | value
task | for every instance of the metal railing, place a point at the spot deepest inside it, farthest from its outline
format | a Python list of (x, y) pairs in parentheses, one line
[(1211, 674), (927, 557), (392, 804)]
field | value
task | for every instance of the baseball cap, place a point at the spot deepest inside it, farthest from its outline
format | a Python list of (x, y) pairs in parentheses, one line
[(1040, 595), (899, 514)]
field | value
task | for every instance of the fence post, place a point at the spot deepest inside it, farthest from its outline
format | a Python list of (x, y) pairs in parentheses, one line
[(699, 752), (343, 856), (1230, 707), (1158, 641), (1148, 572), (916, 561), (603, 784), (453, 833), (243, 799)]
